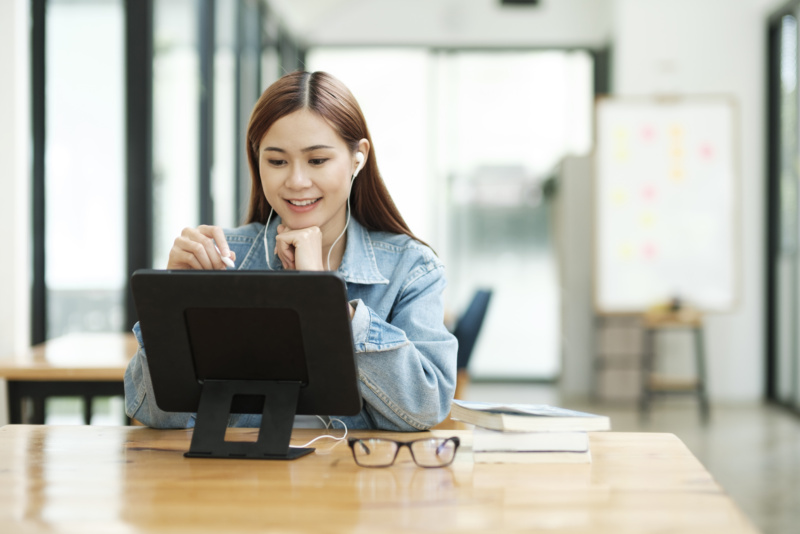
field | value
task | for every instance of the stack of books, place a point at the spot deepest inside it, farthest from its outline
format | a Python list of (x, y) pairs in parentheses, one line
[(528, 433)]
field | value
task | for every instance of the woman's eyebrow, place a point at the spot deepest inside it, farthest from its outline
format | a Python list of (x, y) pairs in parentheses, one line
[(307, 149), (315, 147)]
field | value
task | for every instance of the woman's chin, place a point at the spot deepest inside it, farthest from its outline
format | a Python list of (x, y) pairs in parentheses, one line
[(296, 221)]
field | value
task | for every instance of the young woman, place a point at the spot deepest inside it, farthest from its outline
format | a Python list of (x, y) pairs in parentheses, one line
[(318, 202)]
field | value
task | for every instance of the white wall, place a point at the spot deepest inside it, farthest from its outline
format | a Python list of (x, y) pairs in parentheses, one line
[(14, 184), (712, 47)]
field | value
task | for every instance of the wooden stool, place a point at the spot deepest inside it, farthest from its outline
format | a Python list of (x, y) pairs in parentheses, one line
[(652, 383)]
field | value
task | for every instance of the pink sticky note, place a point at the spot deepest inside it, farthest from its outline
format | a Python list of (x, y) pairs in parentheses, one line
[(707, 151)]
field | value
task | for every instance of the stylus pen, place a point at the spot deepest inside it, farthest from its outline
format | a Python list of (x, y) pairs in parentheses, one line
[(226, 260)]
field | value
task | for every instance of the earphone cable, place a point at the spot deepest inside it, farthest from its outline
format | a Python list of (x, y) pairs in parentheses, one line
[(266, 230), (327, 426), (345, 224)]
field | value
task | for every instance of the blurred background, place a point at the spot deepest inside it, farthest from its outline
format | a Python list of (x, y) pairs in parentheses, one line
[(121, 122)]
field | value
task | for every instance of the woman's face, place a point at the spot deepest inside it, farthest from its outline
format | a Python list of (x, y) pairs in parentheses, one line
[(305, 170)]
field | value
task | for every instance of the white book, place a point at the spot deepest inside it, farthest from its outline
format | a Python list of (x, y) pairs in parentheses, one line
[(527, 417), (493, 440), (560, 457)]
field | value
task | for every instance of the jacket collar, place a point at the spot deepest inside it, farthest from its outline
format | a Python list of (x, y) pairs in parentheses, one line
[(358, 266)]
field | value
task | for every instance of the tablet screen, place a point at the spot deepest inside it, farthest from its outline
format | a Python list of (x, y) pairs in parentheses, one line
[(221, 340)]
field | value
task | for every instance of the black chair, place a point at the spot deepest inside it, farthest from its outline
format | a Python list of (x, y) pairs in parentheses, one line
[(467, 329)]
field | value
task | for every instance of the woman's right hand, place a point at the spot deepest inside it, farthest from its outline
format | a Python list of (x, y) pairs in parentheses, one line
[(194, 249)]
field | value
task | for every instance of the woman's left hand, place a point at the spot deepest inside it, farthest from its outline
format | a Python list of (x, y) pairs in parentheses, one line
[(300, 249)]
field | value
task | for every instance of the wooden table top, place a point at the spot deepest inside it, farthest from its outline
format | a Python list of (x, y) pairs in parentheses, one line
[(124, 480), (74, 357)]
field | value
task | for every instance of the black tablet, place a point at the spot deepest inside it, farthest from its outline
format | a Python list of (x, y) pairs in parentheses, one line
[(259, 342)]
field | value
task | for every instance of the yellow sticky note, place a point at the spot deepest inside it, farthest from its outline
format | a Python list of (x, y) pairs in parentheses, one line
[(621, 134)]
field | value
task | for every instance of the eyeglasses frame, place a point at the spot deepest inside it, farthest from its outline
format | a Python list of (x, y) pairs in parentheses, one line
[(400, 444)]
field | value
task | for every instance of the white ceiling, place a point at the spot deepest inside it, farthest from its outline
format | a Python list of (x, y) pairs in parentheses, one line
[(448, 23)]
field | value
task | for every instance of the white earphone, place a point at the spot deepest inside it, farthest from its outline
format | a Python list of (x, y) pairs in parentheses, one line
[(360, 159)]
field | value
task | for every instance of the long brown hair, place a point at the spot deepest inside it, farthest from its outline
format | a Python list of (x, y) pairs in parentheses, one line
[(370, 202)]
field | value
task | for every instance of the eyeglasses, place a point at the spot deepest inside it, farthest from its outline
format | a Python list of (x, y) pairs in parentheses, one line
[(382, 452)]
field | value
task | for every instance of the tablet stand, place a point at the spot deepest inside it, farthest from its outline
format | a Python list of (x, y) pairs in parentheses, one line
[(277, 418)]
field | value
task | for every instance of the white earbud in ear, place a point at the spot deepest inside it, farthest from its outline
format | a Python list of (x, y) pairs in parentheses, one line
[(360, 160)]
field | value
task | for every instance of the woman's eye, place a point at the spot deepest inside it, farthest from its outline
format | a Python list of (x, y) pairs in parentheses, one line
[(277, 162), (317, 161)]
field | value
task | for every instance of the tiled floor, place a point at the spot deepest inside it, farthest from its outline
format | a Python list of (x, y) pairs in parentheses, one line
[(753, 451)]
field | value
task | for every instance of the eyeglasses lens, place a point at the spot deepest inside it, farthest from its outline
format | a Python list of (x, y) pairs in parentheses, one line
[(433, 452), (374, 452)]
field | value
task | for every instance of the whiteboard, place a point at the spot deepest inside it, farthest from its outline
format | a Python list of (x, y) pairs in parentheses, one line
[(665, 197)]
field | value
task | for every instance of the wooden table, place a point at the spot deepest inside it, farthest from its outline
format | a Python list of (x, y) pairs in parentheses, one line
[(134, 479), (83, 365)]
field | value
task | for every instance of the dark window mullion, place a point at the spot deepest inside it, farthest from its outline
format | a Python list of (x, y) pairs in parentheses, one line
[(139, 152), (238, 142), (773, 206), (248, 76), (602, 70), (38, 67), (206, 39)]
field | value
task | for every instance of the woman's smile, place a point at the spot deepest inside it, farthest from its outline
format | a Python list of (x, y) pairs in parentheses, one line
[(302, 205)]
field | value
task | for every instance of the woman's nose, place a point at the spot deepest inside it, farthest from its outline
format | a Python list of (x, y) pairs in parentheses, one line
[(298, 178)]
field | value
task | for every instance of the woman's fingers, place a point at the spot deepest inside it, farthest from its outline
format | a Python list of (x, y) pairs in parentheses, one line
[(300, 249), (189, 261), (187, 254), (208, 235), (285, 250), (218, 235), (200, 248)]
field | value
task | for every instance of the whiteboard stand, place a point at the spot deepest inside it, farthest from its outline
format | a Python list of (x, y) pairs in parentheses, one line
[(653, 383), (666, 190), (616, 362)]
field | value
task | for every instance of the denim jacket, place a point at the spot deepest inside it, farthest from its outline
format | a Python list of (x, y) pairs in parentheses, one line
[(405, 357)]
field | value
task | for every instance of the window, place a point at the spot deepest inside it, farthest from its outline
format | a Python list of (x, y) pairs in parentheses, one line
[(477, 136), (176, 123), (85, 174)]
